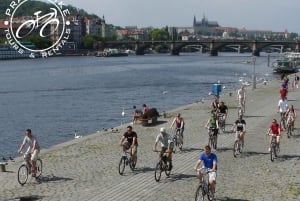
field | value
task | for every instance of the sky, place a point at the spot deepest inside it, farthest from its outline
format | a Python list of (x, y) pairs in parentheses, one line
[(274, 15)]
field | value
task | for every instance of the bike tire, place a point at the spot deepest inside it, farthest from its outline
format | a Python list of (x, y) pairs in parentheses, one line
[(122, 165), (198, 193), (289, 133), (272, 153), (215, 140), (157, 172), (235, 148), (167, 171), (22, 174), (132, 164), (39, 167)]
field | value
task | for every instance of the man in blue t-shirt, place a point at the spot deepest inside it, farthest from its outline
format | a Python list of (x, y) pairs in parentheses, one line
[(208, 160)]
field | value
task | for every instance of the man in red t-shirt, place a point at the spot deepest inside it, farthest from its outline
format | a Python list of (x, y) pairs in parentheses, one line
[(274, 129)]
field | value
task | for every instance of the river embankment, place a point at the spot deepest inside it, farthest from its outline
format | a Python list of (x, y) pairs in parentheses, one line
[(86, 168)]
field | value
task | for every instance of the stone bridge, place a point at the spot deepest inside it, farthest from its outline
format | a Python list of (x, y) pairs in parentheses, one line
[(212, 45)]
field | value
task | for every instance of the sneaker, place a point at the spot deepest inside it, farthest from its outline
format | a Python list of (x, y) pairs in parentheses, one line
[(269, 149)]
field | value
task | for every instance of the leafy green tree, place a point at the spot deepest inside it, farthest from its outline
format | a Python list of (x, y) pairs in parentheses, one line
[(87, 41), (158, 34), (39, 42)]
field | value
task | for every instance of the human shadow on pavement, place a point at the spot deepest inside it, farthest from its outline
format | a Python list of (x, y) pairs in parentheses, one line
[(143, 169), (245, 154), (177, 177), (287, 157), (51, 178), (229, 199), (29, 198), (253, 116), (190, 149), (223, 149)]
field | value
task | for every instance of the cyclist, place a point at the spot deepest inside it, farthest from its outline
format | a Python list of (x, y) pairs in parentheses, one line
[(131, 142), (166, 144), (32, 152), (282, 108), (274, 129), (241, 97), (214, 105), (222, 111), (290, 116), (208, 160), (212, 124), (178, 121), (240, 126)]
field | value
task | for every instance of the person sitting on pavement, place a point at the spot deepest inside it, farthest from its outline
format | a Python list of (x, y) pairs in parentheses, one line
[(166, 143), (208, 160), (240, 129), (131, 142), (136, 114), (145, 108), (32, 152), (178, 121)]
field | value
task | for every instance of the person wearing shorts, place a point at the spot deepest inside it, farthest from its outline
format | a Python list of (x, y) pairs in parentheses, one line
[(32, 152), (129, 141), (274, 129)]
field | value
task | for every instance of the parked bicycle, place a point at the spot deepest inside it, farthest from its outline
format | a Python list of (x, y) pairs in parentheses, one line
[(25, 170), (203, 188), (162, 166), (213, 137), (126, 160), (237, 146), (274, 147), (177, 139)]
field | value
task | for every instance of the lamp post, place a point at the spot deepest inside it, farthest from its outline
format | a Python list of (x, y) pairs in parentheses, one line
[(254, 76)]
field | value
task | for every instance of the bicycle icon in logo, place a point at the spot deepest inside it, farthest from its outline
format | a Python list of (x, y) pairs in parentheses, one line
[(48, 19)]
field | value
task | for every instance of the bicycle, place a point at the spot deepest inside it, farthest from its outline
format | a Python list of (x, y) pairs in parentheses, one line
[(274, 147), (203, 188), (221, 121), (237, 146), (213, 137), (162, 166), (126, 160), (25, 170), (240, 111), (177, 139), (282, 121), (289, 129)]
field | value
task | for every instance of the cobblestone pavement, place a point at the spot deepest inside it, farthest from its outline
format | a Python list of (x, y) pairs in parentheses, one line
[(87, 168)]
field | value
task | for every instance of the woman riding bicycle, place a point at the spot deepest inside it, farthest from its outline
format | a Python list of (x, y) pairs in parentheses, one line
[(274, 129), (212, 124), (179, 125), (290, 116)]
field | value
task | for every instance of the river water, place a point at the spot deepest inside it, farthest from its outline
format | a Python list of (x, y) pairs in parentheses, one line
[(60, 95)]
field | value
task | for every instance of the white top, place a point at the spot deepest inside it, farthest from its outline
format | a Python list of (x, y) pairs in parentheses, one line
[(29, 142), (164, 140), (283, 105)]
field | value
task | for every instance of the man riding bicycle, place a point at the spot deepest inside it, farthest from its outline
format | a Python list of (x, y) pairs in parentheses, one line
[(166, 143), (32, 152), (208, 160), (179, 125), (240, 129), (222, 111), (274, 129), (131, 142), (282, 108)]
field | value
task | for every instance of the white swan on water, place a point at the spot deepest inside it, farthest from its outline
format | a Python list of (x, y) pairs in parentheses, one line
[(123, 113), (77, 136)]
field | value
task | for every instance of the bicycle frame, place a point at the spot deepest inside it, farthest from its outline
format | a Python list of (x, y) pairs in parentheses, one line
[(162, 166), (204, 187)]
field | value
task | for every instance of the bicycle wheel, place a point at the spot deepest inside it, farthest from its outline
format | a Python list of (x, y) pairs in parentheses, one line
[(174, 143), (157, 172), (132, 163), (272, 153), (198, 194), (215, 140), (235, 148), (22, 174), (39, 166), (122, 165), (289, 133), (240, 147), (167, 171)]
